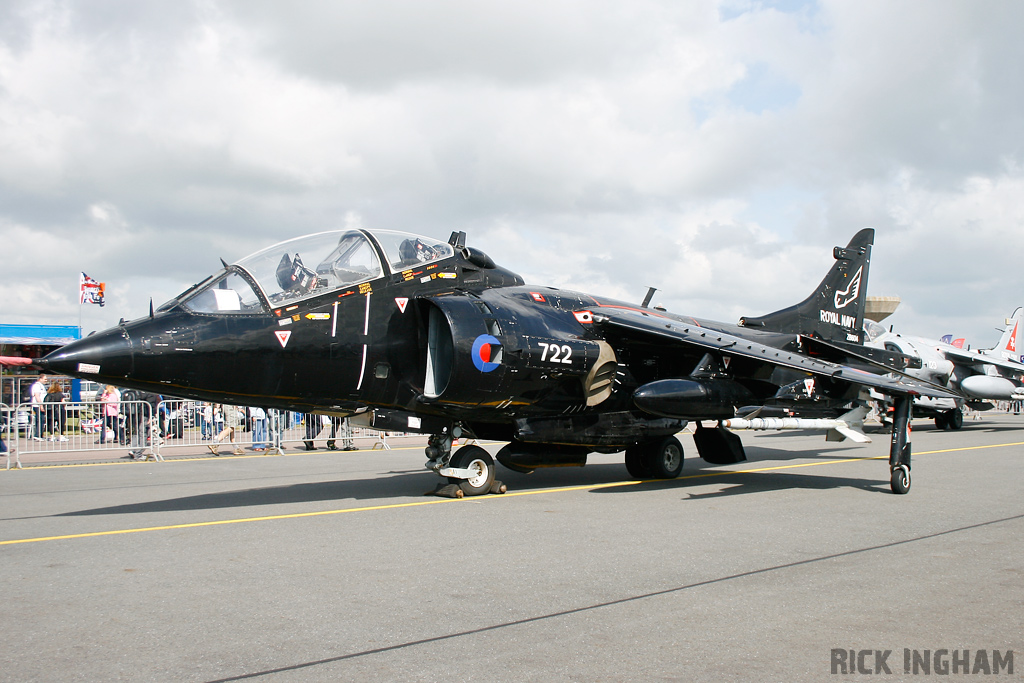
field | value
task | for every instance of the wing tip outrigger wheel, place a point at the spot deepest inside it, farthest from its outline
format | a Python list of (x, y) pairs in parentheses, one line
[(900, 480), (899, 451)]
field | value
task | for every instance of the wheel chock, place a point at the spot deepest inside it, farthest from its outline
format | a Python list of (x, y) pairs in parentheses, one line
[(455, 491), (447, 491)]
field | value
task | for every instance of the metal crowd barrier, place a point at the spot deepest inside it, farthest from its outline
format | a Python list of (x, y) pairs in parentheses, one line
[(148, 432), (81, 426), (8, 427), (338, 431), (220, 428)]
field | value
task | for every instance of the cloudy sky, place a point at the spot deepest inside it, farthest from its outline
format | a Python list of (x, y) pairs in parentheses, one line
[(715, 150)]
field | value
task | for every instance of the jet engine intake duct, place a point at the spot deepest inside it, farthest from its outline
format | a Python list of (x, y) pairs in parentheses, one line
[(692, 398), (466, 353), (487, 351)]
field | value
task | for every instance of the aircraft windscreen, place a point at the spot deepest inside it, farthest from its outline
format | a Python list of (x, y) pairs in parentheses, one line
[(230, 293), (312, 265)]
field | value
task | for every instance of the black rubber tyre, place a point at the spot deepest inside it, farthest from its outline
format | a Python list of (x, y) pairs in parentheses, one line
[(900, 481), (479, 460), (635, 463), (664, 458), (941, 422), (955, 418)]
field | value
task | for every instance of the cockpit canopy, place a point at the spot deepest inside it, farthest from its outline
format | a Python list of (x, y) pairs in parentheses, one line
[(873, 330), (312, 265)]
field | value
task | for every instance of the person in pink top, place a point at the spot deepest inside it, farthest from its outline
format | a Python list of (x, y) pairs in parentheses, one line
[(111, 402)]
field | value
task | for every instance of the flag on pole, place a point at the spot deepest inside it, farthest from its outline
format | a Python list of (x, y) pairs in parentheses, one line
[(90, 291)]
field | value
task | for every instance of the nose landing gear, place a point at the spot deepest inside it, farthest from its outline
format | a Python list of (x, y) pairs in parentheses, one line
[(470, 470)]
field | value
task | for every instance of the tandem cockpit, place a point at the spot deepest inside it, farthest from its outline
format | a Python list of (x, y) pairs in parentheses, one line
[(307, 267)]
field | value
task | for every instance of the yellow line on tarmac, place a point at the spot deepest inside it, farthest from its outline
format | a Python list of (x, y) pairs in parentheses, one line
[(225, 521), (480, 499), (969, 448)]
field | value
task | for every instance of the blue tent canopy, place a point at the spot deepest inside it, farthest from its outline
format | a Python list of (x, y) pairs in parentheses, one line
[(42, 335)]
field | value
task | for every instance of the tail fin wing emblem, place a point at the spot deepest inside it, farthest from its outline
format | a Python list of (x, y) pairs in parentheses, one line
[(852, 291)]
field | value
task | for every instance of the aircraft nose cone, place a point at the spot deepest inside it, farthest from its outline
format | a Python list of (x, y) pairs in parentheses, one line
[(104, 356)]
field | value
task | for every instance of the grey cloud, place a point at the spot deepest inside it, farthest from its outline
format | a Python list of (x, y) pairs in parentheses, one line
[(561, 136), (382, 44)]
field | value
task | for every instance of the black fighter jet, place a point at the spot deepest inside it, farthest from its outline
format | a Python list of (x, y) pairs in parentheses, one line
[(400, 331)]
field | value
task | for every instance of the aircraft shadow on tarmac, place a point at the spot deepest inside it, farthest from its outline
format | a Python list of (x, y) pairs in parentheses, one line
[(757, 454), (969, 426), (405, 484), (739, 483), (976, 427), (398, 484)]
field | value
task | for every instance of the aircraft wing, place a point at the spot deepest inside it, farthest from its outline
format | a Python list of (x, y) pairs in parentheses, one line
[(860, 354), (959, 356), (644, 325)]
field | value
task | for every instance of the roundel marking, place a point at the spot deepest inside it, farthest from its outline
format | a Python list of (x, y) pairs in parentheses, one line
[(485, 347)]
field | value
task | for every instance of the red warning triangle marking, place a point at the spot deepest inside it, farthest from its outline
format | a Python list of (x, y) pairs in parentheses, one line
[(283, 336), (402, 303)]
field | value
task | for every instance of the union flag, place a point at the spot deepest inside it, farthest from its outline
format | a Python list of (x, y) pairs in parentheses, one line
[(90, 291)]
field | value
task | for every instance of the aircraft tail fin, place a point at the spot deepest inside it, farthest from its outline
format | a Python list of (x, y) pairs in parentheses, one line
[(1010, 345), (835, 310)]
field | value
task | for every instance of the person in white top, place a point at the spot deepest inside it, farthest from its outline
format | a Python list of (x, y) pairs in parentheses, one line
[(38, 394)]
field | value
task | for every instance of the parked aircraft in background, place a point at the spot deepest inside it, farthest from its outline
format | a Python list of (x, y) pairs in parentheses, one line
[(978, 376), (407, 332)]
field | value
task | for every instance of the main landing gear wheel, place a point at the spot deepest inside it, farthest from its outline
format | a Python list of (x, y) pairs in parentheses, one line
[(665, 458), (900, 482), (480, 462), (950, 419), (660, 459), (635, 463)]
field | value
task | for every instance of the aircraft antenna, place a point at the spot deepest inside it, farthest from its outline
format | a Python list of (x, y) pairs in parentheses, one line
[(650, 295)]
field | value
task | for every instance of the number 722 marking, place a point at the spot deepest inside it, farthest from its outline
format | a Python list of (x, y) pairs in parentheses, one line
[(554, 353)]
